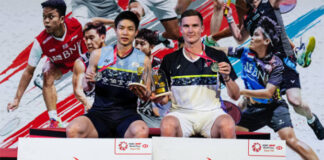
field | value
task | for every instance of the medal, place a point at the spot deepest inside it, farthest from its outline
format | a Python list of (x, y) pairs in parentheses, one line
[(214, 67), (98, 76)]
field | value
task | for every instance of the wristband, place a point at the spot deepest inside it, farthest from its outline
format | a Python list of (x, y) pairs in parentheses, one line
[(227, 80), (230, 19)]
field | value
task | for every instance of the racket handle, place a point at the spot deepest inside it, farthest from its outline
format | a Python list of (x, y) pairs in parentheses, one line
[(228, 4)]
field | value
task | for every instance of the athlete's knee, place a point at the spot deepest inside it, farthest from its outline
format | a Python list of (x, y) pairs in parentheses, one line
[(227, 127), (140, 130), (168, 126), (74, 130), (173, 34), (295, 101)]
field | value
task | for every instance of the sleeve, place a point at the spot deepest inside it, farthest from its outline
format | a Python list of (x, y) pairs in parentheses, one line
[(235, 52), (275, 76), (35, 54), (81, 14), (165, 68)]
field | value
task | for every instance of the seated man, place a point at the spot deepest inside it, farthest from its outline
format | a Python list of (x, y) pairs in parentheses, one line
[(94, 35), (194, 73), (152, 113), (113, 113)]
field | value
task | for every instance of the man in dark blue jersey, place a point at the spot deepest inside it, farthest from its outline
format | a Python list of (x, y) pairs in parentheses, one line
[(113, 113), (262, 75), (291, 82)]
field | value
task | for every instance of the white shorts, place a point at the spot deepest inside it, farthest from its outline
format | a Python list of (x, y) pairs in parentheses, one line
[(196, 122), (162, 9)]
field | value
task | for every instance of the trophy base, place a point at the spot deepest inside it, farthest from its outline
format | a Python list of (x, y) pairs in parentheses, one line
[(137, 85), (163, 94)]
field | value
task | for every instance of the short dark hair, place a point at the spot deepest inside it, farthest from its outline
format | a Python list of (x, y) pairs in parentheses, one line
[(59, 5), (271, 28), (272, 31), (99, 27), (191, 12), (148, 35), (127, 15)]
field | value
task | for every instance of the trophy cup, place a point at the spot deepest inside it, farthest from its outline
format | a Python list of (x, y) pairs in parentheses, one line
[(137, 80), (160, 87)]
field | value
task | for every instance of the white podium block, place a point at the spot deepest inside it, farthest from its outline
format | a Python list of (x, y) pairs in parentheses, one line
[(84, 149), (212, 149)]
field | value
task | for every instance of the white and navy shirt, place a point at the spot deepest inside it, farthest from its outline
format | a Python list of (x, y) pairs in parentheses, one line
[(193, 83)]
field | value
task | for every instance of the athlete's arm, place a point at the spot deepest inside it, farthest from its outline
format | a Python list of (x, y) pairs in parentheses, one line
[(239, 34), (34, 58), (23, 84), (275, 3), (103, 20), (77, 78), (266, 93), (217, 16), (89, 79)]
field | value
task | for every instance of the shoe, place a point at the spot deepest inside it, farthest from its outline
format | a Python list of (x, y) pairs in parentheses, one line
[(317, 128), (38, 82), (208, 41), (304, 53), (56, 123)]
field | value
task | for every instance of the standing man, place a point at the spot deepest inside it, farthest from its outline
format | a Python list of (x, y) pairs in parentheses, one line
[(62, 42), (113, 113), (162, 11), (152, 113), (291, 82), (196, 102), (94, 36)]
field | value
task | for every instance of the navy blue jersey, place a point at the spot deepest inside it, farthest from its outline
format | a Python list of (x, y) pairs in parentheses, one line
[(111, 92), (257, 73), (265, 9)]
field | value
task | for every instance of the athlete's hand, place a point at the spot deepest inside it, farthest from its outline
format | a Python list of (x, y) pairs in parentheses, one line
[(13, 105), (90, 76), (140, 92), (161, 99), (229, 11), (218, 5)]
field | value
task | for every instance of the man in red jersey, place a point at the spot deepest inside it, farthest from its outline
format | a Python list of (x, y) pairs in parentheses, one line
[(62, 42)]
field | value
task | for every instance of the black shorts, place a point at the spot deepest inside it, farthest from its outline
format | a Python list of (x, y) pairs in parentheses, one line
[(290, 78), (109, 128), (275, 115)]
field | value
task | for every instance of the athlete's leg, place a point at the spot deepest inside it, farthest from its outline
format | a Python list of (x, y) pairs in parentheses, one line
[(137, 129), (170, 127), (294, 98), (182, 5), (223, 127), (171, 29), (50, 73), (81, 127), (298, 146)]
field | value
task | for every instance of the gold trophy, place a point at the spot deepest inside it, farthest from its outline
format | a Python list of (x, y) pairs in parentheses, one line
[(137, 79), (160, 87)]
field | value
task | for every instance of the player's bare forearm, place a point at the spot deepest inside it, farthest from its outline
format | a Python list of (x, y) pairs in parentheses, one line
[(103, 20), (233, 90), (147, 74), (77, 87), (266, 93), (24, 81)]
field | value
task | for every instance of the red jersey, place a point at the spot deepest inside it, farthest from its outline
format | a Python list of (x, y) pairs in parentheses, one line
[(64, 52)]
